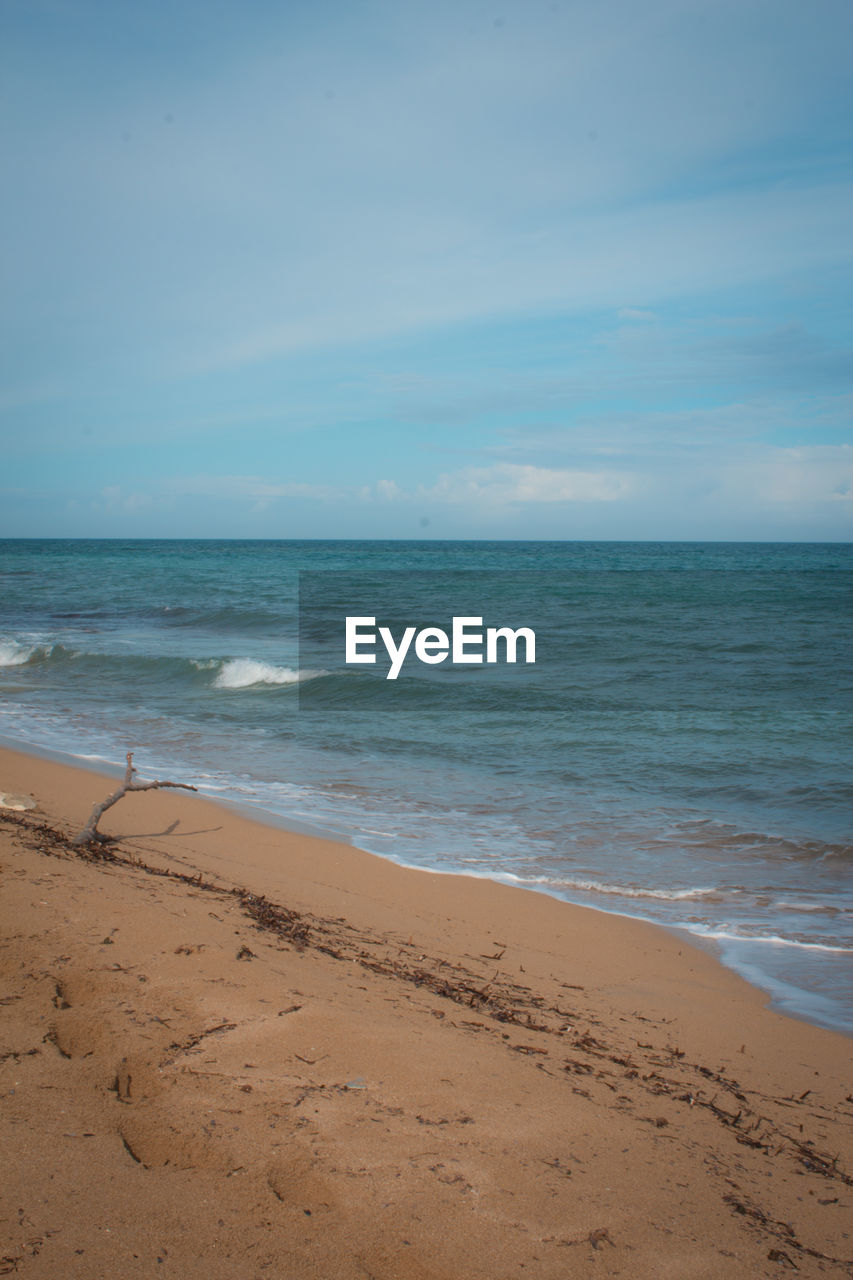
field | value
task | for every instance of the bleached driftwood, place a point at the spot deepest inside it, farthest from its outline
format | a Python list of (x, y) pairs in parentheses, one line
[(90, 831)]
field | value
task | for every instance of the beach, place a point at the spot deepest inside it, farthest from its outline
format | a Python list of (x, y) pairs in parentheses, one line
[(426, 460), (679, 752), (231, 1050)]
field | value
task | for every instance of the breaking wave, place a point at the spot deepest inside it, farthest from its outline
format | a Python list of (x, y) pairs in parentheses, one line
[(15, 654), (244, 673), (734, 934), (620, 891), (219, 673)]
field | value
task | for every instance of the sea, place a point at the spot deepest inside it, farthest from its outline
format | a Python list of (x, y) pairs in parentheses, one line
[(679, 751)]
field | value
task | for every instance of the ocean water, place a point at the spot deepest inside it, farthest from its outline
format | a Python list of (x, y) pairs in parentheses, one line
[(680, 750)]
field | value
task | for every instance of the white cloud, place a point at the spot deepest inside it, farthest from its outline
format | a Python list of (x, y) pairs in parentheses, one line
[(114, 498), (404, 168), (241, 488), (634, 313), (803, 477), (663, 250), (709, 435), (508, 483), (389, 490)]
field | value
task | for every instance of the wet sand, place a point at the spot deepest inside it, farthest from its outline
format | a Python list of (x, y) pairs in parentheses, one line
[(232, 1051)]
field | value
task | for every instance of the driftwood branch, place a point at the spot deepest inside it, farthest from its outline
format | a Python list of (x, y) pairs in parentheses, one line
[(90, 831)]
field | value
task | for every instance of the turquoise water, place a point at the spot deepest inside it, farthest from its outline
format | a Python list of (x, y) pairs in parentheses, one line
[(679, 751)]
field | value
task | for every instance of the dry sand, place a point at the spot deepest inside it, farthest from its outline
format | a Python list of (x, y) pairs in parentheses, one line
[(384, 1074)]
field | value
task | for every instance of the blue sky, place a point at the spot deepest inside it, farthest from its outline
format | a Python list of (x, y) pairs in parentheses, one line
[(523, 269)]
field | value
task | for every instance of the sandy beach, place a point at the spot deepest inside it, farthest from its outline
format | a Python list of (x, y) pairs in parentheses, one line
[(232, 1051)]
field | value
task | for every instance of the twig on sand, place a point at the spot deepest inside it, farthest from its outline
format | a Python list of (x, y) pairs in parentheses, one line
[(90, 832)]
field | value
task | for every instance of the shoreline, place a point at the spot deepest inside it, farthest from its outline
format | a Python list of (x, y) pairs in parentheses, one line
[(801, 1003), (326, 1063)]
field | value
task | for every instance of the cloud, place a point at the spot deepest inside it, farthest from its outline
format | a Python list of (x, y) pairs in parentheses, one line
[(243, 488), (508, 484), (403, 168), (820, 475), (113, 497), (590, 262), (389, 490), (658, 437), (633, 313), (664, 250)]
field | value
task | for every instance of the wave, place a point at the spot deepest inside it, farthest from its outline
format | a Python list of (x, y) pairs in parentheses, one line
[(619, 891), (228, 673), (15, 654), (245, 673), (732, 934)]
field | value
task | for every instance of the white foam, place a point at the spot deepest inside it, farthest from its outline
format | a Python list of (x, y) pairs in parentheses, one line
[(243, 673), (663, 895), (615, 890), (13, 654), (18, 803), (735, 935), (806, 906)]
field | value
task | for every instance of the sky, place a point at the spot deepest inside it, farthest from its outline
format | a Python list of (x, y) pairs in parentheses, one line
[(574, 269)]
